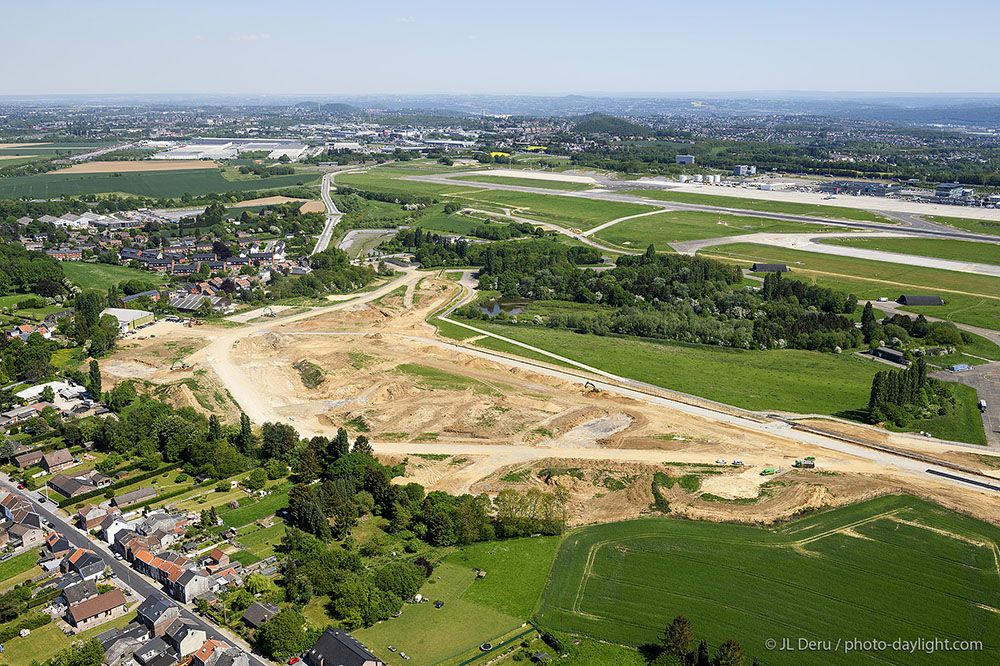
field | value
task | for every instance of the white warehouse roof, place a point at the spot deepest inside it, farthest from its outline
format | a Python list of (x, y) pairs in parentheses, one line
[(125, 316)]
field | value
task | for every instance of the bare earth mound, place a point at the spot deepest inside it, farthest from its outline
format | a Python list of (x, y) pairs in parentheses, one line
[(313, 207), (266, 201)]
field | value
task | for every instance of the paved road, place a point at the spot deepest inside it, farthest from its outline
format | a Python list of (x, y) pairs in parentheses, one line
[(892, 308), (985, 379), (332, 215), (142, 587), (807, 243)]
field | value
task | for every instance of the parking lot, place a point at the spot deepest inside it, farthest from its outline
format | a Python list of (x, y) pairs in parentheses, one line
[(986, 380)]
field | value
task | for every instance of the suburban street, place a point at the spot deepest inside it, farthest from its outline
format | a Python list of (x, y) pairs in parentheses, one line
[(139, 584)]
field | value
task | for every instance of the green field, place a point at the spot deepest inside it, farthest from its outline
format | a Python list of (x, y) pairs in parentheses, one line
[(791, 380), (556, 209), (148, 184), (101, 276), (388, 180), (763, 205), (45, 642), (429, 635), (970, 299), (540, 183), (677, 226), (957, 250), (526, 561), (247, 514), (969, 224), (16, 566), (894, 567)]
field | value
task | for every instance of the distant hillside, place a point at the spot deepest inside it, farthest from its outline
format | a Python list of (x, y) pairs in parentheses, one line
[(599, 123), (327, 108)]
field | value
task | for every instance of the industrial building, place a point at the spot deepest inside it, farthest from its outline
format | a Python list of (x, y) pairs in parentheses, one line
[(953, 191), (684, 159), (129, 320), (743, 170), (222, 148), (919, 299)]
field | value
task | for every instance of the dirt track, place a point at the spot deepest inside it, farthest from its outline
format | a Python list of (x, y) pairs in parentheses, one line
[(418, 395)]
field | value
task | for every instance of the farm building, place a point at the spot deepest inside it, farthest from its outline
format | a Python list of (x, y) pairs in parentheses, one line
[(129, 320), (919, 299), (889, 354), (769, 268), (134, 496)]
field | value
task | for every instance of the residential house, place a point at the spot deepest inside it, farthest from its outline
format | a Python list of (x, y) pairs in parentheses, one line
[(24, 330), (155, 652), (79, 592), (258, 614), (185, 637), (157, 613), (120, 644), (57, 544), (111, 525), (336, 647), (152, 294), (87, 563), (208, 654), (99, 609), (65, 253), (91, 516), (57, 460), (71, 486), (28, 459), (25, 536)]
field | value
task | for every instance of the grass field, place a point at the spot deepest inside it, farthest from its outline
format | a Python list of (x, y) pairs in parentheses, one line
[(526, 561), (15, 566), (247, 514), (434, 379), (895, 567), (791, 380), (540, 183), (763, 205), (687, 225), (148, 184), (45, 642), (969, 224), (429, 635), (101, 276), (560, 210), (982, 253), (388, 180), (970, 299)]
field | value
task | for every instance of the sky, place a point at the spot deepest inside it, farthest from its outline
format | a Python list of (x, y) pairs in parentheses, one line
[(333, 47)]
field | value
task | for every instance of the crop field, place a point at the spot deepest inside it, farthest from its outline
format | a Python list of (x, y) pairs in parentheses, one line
[(894, 567), (977, 226), (791, 380), (560, 210), (686, 225), (763, 205), (148, 184), (969, 298), (131, 166), (541, 183), (449, 224), (957, 250), (102, 276)]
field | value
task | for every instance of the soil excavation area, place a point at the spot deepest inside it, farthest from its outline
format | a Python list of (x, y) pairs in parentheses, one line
[(468, 422)]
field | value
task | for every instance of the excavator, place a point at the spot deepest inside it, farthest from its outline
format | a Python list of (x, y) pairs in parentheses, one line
[(592, 386)]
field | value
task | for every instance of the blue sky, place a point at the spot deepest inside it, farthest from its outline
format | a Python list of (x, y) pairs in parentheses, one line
[(511, 46)]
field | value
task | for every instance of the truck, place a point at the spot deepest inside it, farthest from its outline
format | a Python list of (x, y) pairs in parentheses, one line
[(767, 471), (804, 464), (982, 406)]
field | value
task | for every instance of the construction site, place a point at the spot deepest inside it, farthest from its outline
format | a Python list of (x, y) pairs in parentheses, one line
[(469, 419)]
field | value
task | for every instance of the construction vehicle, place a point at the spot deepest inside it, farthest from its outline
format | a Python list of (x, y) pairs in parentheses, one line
[(813, 458), (804, 464), (592, 386), (767, 471), (268, 312), (179, 365), (737, 463), (982, 406)]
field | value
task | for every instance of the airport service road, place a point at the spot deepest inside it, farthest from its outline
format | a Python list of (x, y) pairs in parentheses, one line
[(807, 242), (142, 587), (922, 229), (892, 308)]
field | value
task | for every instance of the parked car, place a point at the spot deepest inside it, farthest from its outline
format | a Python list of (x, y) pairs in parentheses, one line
[(294, 660)]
